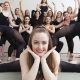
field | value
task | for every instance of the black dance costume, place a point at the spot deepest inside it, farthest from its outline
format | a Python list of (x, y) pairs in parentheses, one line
[(44, 9), (72, 30), (15, 67), (69, 39), (36, 22), (10, 67), (18, 21), (60, 43), (3, 21), (69, 67), (11, 48), (14, 38), (25, 36)]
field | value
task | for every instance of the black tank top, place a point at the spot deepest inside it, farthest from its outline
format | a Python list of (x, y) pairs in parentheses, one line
[(17, 22), (43, 9), (55, 22), (4, 20), (25, 36)]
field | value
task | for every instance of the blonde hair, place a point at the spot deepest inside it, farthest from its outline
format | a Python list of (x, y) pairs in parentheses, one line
[(7, 2)]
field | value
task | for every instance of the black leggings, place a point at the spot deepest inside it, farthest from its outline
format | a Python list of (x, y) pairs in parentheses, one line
[(59, 43), (14, 38), (10, 50), (59, 46), (71, 31), (15, 67), (25, 36), (70, 43), (10, 67), (68, 67), (3, 40)]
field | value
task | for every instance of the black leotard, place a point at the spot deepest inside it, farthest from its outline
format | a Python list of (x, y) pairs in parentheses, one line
[(44, 8)]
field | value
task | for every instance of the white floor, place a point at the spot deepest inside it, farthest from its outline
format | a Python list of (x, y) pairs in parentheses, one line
[(17, 76), (69, 76)]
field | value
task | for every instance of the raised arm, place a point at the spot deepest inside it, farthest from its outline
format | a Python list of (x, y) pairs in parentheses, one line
[(38, 7), (0, 9), (63, 7), (55, 11), (48, 75), (22, 13), (50, 7), (12, 13), (78, 3), (75, 9), (26, 73), (78, 16)]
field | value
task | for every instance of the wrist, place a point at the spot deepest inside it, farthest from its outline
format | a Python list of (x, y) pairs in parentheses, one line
[(37, 60), (43, 60)]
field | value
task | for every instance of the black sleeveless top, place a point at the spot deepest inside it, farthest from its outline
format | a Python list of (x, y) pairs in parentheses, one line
[(25, 36), (4, 20), (36, 22), (55, 22), (17, 22), (43, 9)]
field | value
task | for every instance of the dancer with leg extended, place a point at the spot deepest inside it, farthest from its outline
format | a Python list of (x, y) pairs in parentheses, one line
[(71, 30), (35, 57)]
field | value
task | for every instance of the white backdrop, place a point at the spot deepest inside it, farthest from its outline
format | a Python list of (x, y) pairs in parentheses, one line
[(31, 4)]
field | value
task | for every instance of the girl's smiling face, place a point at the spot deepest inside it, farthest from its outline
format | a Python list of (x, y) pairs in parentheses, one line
[(40, 43)]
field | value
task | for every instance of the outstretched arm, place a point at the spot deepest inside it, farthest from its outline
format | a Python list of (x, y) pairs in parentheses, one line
[(26, 73), (59, 25)]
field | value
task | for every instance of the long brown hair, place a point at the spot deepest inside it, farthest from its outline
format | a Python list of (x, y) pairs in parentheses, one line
[(25, 18), (50, 59)]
